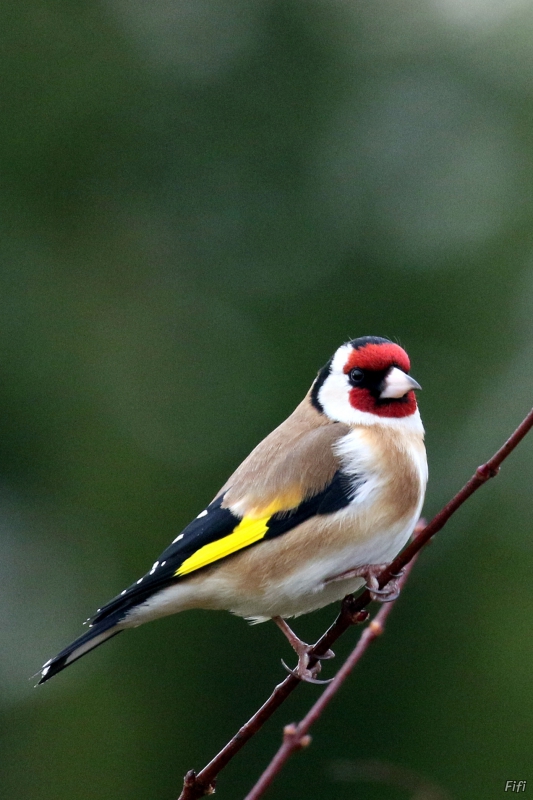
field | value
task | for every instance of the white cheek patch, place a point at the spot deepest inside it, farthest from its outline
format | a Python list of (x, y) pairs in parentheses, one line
[(334, 396)]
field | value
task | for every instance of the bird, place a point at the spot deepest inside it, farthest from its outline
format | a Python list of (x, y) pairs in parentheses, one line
[(312, 514)]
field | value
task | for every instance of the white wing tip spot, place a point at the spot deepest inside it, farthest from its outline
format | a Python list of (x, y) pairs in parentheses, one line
[(154, 567), (178, 538), (124, 592), (139, 581), (202, 514), (163, 563)]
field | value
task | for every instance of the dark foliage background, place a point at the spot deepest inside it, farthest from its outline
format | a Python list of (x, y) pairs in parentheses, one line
[(200, 200)]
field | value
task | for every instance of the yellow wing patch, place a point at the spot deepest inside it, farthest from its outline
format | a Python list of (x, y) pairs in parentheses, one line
[(284, 502), (247, 532)]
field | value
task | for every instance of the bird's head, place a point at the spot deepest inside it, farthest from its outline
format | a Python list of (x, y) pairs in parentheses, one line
[(365, 382)]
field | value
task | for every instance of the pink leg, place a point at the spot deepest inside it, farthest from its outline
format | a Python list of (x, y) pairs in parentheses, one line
[(302, 650)]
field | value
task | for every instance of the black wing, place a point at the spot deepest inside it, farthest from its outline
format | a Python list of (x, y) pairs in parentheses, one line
[(214, 525)]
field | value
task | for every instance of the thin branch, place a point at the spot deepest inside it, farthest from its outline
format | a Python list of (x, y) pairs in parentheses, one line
[(295, 737), (352, 611)]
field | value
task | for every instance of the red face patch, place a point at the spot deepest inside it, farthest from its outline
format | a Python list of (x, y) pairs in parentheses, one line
[(378, 357), (364, 401)]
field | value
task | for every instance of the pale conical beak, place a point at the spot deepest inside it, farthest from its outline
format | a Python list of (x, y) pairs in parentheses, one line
[(397, 384)]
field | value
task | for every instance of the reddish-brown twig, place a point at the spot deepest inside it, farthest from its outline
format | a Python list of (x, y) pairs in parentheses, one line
[(297, 736), (196, 786)]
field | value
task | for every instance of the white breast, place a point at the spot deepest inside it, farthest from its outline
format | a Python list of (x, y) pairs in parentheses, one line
[(359, 463)]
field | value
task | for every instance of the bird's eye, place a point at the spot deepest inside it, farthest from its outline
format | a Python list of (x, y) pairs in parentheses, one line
[(356, 375)]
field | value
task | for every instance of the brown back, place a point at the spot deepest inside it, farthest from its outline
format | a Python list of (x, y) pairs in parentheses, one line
[(292, 463)]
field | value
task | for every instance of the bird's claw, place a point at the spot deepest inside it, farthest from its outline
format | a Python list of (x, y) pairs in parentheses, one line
[(398, 574), (304, 652), (327, 655), (305, 674), (302, 670), (389, 593)]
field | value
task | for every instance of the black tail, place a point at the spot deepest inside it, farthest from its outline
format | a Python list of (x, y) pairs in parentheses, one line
[(95, 636), (107, 620)]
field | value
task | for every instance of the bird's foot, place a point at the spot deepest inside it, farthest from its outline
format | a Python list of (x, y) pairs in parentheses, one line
[(304, 673), (302, 670), (391, 590), (369, 572)]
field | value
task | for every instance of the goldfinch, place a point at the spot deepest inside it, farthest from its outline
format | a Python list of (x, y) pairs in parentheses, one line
[(315, 511)]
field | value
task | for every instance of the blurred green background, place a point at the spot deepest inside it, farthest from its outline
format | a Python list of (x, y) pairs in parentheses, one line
[(200, 200)]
